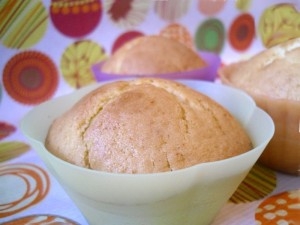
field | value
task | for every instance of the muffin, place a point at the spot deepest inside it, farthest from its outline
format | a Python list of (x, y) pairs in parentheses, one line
[(272, 78), (150, 55), (145, 126)]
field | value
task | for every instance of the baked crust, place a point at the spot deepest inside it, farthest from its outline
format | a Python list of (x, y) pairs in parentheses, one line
[(273, 73), (148, 55), (145, 126), (272, 78)]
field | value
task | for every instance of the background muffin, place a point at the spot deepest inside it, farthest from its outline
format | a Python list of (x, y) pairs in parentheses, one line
[(145, 126), (148, 55), (272, 78)]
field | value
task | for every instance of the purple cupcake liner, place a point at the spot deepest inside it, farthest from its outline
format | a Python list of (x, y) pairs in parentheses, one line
[(208, 73)]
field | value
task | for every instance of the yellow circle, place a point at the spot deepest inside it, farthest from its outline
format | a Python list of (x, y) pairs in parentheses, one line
[(22, 23), (77, 60)]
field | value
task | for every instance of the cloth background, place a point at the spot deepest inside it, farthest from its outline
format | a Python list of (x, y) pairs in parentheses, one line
[(47, 49)]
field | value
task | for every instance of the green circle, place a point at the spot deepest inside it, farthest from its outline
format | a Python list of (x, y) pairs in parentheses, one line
[(210, 36)]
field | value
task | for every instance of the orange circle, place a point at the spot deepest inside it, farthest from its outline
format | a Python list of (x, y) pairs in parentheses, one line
[(41, 219), (282, 208), (242, 32), (30, 77), (36, 182)]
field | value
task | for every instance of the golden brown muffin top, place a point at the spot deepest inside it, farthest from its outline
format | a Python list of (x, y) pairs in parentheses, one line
[(148, 55), (145, 126), (275, 72)]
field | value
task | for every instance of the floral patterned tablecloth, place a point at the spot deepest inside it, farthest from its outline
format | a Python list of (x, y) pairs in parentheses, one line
[(47, 49)]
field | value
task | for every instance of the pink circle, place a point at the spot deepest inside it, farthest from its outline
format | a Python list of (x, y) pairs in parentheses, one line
[(127, 14), (211, 7), (75, 18), (171, 10)]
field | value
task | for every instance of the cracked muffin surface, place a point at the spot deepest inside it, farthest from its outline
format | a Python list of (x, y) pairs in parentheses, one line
[(145, 126)]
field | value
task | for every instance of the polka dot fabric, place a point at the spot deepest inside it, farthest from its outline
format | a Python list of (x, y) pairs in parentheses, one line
[(48, 47), (280, 209)]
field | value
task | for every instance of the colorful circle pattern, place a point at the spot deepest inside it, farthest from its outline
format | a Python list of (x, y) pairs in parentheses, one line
[(42, 219), (210, 36), (171, 10), (77, 60), (279, 23), (211, 7), (76, 18), (12, 149), (22, 23), (280, 209), (30, 77), (243, 5), (35, 185), (259, 182), (242, 32), (6, 129), (127, 14)]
